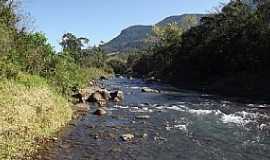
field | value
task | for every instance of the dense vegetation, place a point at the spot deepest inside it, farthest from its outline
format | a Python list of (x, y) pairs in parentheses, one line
[(35, 82), (227, 52)]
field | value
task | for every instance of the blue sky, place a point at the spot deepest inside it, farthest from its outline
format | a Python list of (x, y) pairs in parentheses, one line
[(104, 19)]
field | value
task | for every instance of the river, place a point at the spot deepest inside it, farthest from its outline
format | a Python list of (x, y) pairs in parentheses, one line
[(172, 125)]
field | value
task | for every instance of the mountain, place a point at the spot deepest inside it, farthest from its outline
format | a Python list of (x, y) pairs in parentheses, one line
[(133, 38)]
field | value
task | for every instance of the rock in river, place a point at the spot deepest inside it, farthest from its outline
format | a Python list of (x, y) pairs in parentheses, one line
[(101, 95), (103, 78), (117, 96), (100, 112), (127, 137), (143, 117), (150, 90)]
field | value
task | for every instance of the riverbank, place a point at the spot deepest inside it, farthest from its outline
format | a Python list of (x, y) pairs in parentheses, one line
[(243, 88), (165, 125), (32, 112)]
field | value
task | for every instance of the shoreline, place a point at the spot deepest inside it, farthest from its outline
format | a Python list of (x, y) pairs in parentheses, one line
[(236, 95)]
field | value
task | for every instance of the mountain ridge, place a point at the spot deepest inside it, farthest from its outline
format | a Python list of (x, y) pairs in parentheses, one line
[(133, 37)]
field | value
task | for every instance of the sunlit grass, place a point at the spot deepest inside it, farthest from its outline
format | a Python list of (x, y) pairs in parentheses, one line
[(29, 110)]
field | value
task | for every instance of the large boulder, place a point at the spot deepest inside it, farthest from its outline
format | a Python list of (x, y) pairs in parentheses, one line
[(100, 96), (86, 92), (78, 96), (117, 96), (150, 90)]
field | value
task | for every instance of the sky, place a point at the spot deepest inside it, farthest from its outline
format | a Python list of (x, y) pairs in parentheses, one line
[(102, 20)]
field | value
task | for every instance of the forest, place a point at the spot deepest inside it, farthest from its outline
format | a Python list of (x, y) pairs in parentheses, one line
[(227, 53)]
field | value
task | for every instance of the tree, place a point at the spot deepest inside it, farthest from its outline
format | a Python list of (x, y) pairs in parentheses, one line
[(168, 35), (100, 57), (73, 45)]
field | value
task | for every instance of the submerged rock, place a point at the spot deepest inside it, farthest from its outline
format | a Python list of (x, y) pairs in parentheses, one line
[(117, 96), (100, 112), (142, 117), (121, 77), (127, 137), (150, 79), (150, 90), (103, 78), (130, 78)]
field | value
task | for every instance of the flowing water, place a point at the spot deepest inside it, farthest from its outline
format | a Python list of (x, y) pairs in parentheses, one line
[(172, 125)]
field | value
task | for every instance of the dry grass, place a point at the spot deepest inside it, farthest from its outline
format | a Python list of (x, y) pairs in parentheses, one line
[(29, 110)]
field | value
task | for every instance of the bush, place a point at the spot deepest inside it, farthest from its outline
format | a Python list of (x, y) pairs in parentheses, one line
[(118, 65), (67, 74)]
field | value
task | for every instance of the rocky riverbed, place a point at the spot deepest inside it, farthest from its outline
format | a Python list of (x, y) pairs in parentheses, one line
[(164, 123)]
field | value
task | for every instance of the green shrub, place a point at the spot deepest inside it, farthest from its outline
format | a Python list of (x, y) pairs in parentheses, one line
[(67, 74), (8, 70), (118, 65)]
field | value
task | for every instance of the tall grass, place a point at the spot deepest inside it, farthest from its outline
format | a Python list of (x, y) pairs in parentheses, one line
[(29, 110)]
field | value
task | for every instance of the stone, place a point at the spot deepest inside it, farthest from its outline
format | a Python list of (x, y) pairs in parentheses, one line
[(95, 97), (99, 96), (86, 92), (103, 78), (150, 79), (144, 135), (92, 83), (143, 117), (150, 90), (117, 96), (78, 96), (127, 137), (100, 112)]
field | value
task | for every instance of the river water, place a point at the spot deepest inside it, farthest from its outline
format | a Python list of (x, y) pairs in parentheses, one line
[(172, 125)]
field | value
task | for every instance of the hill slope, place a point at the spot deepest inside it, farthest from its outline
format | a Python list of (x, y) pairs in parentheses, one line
[(133, 38), (130, 38)]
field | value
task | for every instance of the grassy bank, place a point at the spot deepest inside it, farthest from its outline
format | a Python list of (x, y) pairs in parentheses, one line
[(29, 110)]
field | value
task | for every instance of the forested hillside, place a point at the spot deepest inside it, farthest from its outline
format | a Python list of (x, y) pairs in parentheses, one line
[(227, 53)]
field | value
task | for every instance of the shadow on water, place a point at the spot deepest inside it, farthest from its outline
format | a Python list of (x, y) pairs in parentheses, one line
[(174, 124)]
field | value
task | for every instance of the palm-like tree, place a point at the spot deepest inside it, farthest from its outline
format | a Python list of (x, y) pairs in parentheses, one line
[(73, 45)]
